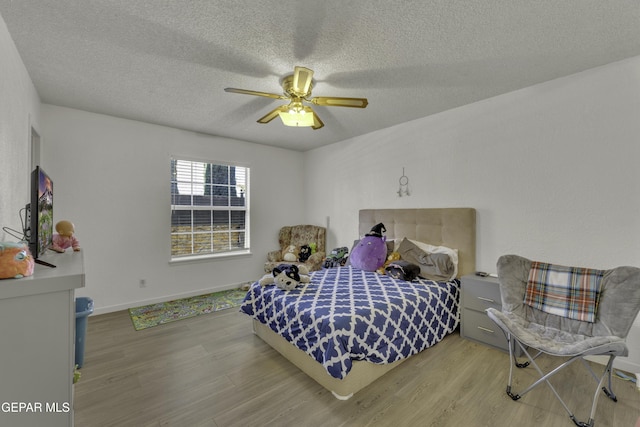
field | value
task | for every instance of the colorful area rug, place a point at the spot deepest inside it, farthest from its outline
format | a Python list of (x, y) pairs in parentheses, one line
[(165, 312)]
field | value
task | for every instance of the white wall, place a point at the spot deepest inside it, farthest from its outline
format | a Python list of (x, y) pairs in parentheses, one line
[(19, 111), (111, 179), (552, 170)]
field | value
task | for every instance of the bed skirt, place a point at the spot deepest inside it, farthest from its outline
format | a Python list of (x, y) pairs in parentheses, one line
[(361, 375)]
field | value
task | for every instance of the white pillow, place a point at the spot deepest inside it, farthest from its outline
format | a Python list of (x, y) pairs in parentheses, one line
[(453, 253)]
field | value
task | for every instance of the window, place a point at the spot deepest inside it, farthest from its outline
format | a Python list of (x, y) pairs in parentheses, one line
[(209, 209)]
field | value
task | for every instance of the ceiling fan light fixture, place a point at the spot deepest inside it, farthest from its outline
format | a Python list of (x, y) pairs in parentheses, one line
[(298, 118), (296, 107)]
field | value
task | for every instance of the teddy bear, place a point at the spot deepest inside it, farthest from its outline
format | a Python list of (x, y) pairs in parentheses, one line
[(286, 276), (393, 256), (305, 253), (290, 253), (64, 238)]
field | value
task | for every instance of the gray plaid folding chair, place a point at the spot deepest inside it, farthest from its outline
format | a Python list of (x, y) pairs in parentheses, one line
[(568, 312)]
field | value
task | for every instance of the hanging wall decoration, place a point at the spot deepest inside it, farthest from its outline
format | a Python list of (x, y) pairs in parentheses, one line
[(404, 185)]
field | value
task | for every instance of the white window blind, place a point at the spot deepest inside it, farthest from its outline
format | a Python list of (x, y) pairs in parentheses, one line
[(209, 208)]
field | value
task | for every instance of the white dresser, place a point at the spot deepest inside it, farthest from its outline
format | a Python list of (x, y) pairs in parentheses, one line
[(37, 336)]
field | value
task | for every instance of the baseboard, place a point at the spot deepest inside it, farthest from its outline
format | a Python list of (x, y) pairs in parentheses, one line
[(630, 364), (165, 298), (620, 363)]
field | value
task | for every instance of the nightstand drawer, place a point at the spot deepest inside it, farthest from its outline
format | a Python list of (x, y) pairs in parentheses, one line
[(480, 295), (478, 326)]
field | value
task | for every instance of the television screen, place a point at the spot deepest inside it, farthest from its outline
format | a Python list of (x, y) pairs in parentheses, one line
[(41, 212)]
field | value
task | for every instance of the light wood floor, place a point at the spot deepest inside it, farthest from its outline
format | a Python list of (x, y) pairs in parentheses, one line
[(212, 371)]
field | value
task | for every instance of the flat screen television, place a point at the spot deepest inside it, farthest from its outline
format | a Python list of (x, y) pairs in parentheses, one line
[(41, 213)]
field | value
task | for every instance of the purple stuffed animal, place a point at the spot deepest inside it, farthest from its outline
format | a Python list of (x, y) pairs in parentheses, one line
[(371, 252)]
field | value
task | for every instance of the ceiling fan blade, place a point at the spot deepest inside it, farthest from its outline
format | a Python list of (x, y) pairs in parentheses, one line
[(332, 101), (317, 123), (254, 92), (272, 114), (302, 81)]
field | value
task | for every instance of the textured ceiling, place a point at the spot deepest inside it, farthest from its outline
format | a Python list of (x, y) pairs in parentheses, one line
[(168, 62)]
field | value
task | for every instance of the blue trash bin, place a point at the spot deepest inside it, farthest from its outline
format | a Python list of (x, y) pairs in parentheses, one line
[(84, 307)]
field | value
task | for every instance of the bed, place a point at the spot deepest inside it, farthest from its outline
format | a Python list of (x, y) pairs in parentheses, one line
[(349, 327)]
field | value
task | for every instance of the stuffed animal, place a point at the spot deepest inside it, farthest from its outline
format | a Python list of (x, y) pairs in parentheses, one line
[(377, 230), (15, 261), (305, 253), (290, 253), (403, 270), (65, 238), (393, 256), (371, 251), (286, 276)]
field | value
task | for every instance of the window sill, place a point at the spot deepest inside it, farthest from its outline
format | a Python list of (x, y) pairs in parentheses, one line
[(209, 257)]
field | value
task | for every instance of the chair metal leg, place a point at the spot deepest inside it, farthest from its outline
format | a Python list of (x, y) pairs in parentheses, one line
[(545, 378), (608, 370), (512, 361), (609, 393), (525, 364)]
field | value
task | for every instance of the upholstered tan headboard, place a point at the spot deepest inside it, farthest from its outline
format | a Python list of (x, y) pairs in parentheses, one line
[(451, 227)]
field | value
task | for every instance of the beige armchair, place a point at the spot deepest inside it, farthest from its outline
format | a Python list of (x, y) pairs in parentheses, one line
[(299, 235)]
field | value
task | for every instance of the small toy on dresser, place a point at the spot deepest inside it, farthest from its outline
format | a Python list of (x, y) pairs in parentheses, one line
[(16, 261), (65, 238)]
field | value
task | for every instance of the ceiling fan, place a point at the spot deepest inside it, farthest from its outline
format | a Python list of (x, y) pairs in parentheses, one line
[(297, 90)]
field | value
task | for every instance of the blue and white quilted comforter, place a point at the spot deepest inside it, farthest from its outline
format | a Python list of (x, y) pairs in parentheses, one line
[(346, 314)]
